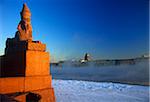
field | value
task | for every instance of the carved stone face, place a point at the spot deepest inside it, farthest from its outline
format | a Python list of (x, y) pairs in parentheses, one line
[(23, 25)]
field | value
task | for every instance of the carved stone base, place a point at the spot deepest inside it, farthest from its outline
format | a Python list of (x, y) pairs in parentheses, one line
[(25, 72), (29, 59), (18, 88), (44, 95)]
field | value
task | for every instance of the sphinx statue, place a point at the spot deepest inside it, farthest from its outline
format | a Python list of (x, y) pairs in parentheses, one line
[(24, 32)]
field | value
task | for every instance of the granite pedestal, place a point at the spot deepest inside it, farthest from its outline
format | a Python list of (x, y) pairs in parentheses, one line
[(26, 69)]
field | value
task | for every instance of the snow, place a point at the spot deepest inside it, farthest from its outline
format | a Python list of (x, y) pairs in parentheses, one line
[(86, 91)]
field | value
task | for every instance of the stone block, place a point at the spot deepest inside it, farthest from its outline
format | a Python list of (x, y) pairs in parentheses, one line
[(11, 85), (47, 95), (36, 46), (37, 82), (37, 63), (13, 46), (25, 63), (26, 66), (13, 65)]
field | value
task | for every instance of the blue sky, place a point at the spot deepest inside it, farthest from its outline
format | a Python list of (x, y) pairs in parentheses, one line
[(70, 28)]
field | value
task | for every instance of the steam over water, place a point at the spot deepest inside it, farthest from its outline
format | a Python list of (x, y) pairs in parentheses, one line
[(137, 73)]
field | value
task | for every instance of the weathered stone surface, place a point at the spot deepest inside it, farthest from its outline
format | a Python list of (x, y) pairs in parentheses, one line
[(36, 46), (37, 83), (15, 47), (11, 85), (25, 63), (37, 63), (24, 32), (25, 66), (13, 65), (24, 84), (47, 95)]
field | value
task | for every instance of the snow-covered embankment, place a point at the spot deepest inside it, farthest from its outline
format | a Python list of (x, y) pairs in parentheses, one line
[(84, 91)]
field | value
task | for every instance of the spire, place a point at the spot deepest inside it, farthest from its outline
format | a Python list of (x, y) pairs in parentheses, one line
[(25, 13)]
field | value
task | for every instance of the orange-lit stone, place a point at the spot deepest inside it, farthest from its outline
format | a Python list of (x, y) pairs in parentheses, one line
[(37, 82), (37, 63), (36, 46), (25, 66), (11, 85), (24, 32), (47, 95)]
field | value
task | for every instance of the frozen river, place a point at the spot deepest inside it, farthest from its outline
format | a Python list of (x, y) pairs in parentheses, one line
[(135, 74)]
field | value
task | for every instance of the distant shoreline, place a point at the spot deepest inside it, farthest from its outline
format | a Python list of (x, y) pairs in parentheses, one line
[(102, 62), (135, 74)]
